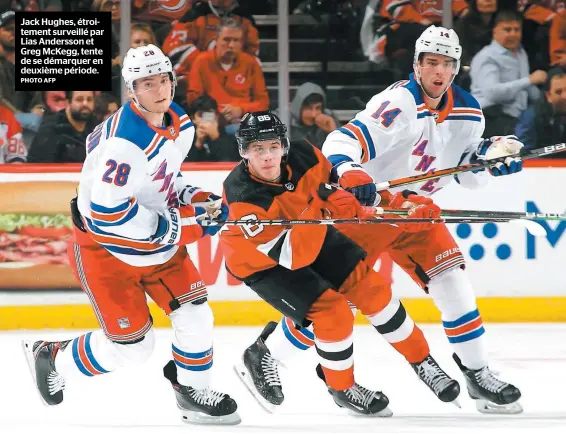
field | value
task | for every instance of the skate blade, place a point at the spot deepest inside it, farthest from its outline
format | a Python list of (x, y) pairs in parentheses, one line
[(27, 347), (243, 375), (487, 407), (386, 412), (197, 418)]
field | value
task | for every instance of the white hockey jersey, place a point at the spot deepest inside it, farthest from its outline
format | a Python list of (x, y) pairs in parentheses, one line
[(130, 175), (397, 135)]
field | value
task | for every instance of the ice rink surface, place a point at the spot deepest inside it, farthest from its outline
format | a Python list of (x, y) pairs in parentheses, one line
[(140, 400)]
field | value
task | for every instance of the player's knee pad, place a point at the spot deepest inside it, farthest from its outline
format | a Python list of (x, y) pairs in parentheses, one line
[(190, 321), (331, 316), (135, 352), (371, 294), (453, 293)]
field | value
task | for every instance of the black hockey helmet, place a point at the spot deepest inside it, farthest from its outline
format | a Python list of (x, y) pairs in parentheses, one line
[(259, 126)]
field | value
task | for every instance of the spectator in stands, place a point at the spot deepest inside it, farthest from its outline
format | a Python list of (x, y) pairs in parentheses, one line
[(10, 98), (198, 32), (232, 77), (105, 104), (50, 101), (400, 23), (476, 28), (211, 142), (112, 6), (545, 123), (538, 16), (61, 137), (310, 119), (500, 76), (12, 148), (16, 101), (141, 34), (557, 40)]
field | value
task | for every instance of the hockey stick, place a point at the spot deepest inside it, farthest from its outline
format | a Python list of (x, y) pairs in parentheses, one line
[(526, 220), (465, 213), (533, 227), (526, 155)]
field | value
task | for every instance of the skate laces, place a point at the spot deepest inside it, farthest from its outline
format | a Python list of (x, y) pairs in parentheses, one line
[(432, 375), (489, 381), (360, 394), (55, 382), (206, 396), (269, 367)]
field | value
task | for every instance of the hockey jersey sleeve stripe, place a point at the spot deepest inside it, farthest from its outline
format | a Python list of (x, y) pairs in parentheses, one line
[(364, 137), (347, 132), (359, 136), (119, 244), (116, 215)]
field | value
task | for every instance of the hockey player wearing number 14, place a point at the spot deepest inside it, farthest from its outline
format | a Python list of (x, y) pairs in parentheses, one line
[(133, 216), (412, 127)]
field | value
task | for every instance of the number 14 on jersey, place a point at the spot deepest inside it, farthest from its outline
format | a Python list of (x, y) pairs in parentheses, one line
[(387, 117)]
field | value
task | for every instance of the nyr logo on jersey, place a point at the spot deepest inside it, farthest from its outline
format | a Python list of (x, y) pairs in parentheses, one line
[(167, 185), (424, 164)]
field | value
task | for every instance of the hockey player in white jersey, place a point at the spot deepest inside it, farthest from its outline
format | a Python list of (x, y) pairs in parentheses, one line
[(133, 216), (413, 127)]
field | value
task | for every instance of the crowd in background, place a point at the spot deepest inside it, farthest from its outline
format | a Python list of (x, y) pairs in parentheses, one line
[(513, 62)]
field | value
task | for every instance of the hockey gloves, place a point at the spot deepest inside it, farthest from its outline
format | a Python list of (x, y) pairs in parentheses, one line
[(355, 180), (177, 226), (419, 207), (340, 203), (220, 214), (501, 146)]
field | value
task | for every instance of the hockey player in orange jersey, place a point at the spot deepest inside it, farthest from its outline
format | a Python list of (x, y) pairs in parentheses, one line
[(133, 216), (309, 273)]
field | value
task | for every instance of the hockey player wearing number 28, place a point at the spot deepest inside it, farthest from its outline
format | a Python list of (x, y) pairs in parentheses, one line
[(412, 127), (133, 216)]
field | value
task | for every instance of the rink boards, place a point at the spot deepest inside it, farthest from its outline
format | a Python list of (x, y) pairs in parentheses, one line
[(517, 277)]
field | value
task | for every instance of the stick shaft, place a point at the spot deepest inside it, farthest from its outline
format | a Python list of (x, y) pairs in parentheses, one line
[(526, 155)]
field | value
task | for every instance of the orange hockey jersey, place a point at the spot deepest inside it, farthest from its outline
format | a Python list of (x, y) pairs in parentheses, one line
[(186, 40), (249, 198), (414, 11), (241, 86)]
